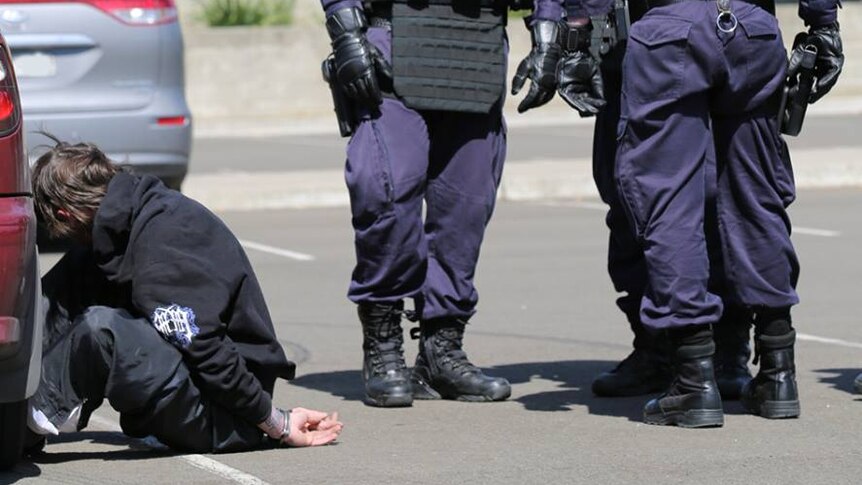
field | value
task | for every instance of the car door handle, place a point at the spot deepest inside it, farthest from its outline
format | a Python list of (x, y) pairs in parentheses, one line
[(49, 41)]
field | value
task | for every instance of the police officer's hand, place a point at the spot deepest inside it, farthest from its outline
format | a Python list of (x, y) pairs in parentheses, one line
[(830, 57), (312, 428), (580, 83), (540, 66), (357, 62)]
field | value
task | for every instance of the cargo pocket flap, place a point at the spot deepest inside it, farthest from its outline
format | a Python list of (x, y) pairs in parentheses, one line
[(668, 30), (759, 27)]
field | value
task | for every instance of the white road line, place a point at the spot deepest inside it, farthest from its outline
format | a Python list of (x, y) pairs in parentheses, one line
[(808, 231), (580, 205), (220, 469), (828, 341), (198, 461), (276, 251)]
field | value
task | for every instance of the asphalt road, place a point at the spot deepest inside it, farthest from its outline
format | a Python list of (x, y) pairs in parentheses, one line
[(562, 142), (548, 323)]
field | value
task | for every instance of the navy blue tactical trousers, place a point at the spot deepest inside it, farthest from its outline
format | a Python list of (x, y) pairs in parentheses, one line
[(399, 158), (689, 90)]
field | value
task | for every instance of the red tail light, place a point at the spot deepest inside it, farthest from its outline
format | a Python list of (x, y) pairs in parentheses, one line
[(172, 121), (132, 12), (10, 106), (139, 12)]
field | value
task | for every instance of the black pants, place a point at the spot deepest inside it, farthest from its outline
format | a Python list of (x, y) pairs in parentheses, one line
[(95, 352)]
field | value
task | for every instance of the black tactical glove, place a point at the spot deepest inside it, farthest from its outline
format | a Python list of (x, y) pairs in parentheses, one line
[(830, 57), (357, 61), (578, 75), (540, 66)]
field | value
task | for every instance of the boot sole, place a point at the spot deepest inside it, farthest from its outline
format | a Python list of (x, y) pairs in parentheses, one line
[(776, 409), (694, 418), (502, 396), (390, 401), (423, 391)]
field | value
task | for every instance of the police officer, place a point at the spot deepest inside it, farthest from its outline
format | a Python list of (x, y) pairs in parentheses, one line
[(598, 29), (701, 76), (427, 82)]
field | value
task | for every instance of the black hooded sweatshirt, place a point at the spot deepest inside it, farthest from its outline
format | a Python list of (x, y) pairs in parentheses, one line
[(191, 278)]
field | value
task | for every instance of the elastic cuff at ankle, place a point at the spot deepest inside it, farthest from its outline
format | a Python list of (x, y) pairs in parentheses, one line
[(688, 352), (777, 341)]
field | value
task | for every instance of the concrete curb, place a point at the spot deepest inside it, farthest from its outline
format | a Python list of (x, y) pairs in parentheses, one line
[(552, 115), (522, 181)]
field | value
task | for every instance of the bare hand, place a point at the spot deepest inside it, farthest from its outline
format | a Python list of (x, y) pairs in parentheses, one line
[(312, 428)]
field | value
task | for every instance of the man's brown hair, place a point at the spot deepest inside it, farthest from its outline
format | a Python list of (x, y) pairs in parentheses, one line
[(73, 178)]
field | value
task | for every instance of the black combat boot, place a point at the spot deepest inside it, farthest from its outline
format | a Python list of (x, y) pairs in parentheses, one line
[(693, 400), (386, 377), (646, 370), (773, 392), (443, 371), (732, 352)]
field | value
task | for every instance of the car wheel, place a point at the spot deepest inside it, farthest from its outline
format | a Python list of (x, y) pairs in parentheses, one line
[(13, 427)]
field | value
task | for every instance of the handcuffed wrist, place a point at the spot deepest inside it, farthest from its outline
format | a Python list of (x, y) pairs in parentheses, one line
[(277, 424)]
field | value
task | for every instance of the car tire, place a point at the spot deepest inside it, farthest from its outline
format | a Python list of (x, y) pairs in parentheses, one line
[(13, 428)]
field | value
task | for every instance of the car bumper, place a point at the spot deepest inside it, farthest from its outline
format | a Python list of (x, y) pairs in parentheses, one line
[(134, 138), (21, 341)]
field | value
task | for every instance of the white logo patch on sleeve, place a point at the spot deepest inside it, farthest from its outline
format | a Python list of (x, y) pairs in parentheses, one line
[(176, 324)]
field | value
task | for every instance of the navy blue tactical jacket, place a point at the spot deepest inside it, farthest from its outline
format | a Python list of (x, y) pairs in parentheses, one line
[(190, 277)]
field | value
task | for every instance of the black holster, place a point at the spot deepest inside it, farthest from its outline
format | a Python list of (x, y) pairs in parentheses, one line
[(610, 29), (345, 109), (794, 103)]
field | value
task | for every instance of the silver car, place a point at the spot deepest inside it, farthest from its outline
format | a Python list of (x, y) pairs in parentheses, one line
[(103, 71)]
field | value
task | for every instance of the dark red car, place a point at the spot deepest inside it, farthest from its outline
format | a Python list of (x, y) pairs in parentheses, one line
[(20, 318)]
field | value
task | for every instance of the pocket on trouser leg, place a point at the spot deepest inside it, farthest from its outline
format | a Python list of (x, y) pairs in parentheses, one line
[(775, 159), (655, 60), (368, 175), (785, 185), (626, 185)]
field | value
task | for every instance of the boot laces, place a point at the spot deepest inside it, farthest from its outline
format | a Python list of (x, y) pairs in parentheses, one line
[(447, 343), (384, 345), (387, 356)]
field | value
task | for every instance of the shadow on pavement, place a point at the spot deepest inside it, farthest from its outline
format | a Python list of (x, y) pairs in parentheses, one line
[(841, 379), (21, 471), (573, 379), (132, 449)]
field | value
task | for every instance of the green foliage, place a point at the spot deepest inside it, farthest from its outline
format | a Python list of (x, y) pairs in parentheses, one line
[(227, 13), (519, 14)]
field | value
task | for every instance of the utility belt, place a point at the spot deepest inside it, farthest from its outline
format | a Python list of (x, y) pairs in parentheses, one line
[(768, 5), (611, 29), (380, 11)]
